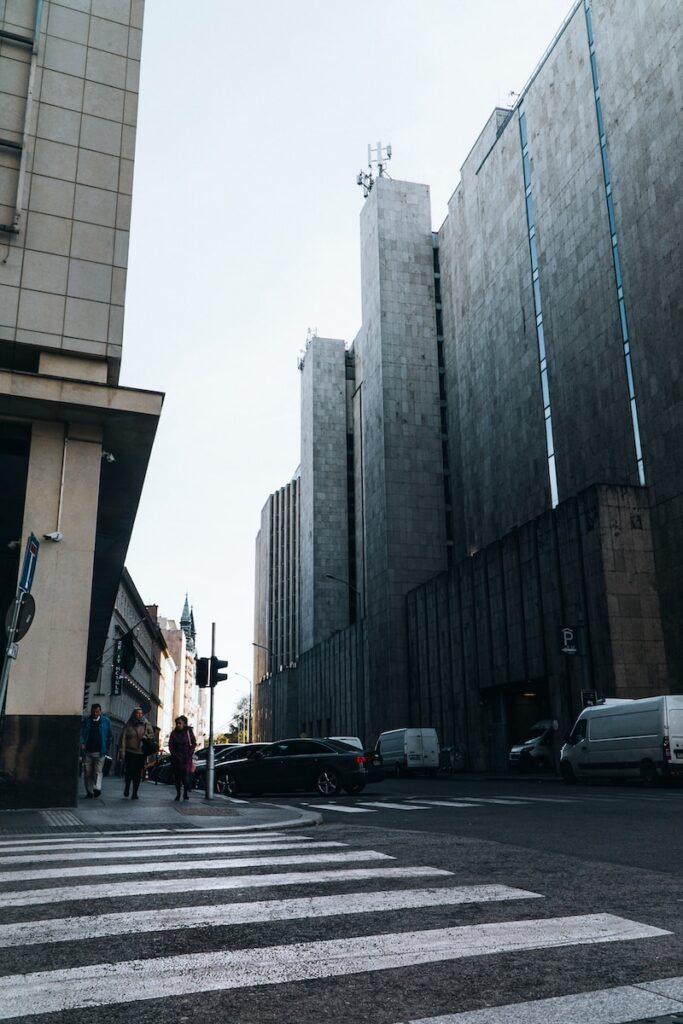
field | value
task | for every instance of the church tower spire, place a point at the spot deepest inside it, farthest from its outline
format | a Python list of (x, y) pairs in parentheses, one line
[(187, 625)]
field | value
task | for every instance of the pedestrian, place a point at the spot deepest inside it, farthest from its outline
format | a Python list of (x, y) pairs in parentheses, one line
[(181, 746), (136, 732), (95, 740)]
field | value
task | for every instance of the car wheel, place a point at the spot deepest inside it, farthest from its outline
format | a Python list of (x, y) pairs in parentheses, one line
[(355, 789), (567, 772), (328, 782), (231, 786), (649, 773)]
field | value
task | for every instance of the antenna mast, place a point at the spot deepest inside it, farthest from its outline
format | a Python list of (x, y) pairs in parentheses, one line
[(378, 158)]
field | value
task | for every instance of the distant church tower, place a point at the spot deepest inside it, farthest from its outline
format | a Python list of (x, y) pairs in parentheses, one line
[(188, 627)]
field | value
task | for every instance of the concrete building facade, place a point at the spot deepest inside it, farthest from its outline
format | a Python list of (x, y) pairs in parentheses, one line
[(276, 623), (517, 407), (74, 445)]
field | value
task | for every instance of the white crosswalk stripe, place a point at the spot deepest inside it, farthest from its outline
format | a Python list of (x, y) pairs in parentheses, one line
[(225, 965), (413, 803), (130, 922), (132, 852), (604, 1006), (39, 874), (342, 808), (48, 991)]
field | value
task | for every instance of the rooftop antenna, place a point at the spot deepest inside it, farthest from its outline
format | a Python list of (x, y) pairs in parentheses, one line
[(379, 158)]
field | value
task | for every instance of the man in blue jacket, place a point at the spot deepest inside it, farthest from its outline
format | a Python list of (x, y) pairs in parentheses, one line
[(95, 740)]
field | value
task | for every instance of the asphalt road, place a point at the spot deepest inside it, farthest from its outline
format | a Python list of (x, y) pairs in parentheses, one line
[(532, 904), (624, 823)]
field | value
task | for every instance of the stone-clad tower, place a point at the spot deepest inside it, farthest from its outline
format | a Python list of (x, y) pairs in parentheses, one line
[(400, 505), (324, 492)]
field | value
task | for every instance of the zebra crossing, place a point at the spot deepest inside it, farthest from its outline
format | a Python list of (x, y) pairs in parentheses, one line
[(415, 803), (64, 893)]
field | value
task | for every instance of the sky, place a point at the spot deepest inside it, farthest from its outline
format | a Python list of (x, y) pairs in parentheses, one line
[(254, 121)]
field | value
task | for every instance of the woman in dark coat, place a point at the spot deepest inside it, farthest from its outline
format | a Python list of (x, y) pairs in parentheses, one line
[(181, 744)]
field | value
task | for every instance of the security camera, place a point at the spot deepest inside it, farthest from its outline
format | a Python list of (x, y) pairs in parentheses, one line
[(56, 536)]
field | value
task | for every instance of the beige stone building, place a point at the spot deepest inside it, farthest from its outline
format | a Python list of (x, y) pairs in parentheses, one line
[(74, 445)]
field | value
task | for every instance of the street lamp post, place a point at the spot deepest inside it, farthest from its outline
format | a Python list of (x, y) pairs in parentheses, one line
[(262, 647), (251, 691)]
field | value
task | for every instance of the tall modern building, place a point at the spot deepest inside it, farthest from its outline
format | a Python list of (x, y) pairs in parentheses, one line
[(276, 622), (514, 418), (74, 445)]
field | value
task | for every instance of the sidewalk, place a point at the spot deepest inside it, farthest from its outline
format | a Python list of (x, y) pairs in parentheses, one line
[(156, 809)]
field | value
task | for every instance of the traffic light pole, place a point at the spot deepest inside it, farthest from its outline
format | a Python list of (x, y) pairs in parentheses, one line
[(210, 761)]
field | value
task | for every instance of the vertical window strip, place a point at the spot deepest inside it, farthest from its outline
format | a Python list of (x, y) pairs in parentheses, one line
[(538, 309), (611, 216)]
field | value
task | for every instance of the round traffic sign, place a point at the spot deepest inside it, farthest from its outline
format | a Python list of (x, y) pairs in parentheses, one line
[(27, 611)]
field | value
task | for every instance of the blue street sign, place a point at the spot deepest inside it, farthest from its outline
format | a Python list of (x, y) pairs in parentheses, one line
[(29, 565)]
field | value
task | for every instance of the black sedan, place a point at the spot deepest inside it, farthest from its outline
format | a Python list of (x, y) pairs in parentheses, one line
[(322, 766), (234, 752)]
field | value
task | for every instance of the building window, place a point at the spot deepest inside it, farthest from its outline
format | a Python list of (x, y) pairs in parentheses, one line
[(611, 217), (538, 308)]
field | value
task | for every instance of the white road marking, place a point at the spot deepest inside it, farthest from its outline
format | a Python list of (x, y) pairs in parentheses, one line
[(106, 984), (104, 840), (603, 1006), (339, 807), (551, 799), (447, 803), (211, 883), (69, 929), (385, 803), (47, 837), (206, 865), (172, 850), (187, 842)]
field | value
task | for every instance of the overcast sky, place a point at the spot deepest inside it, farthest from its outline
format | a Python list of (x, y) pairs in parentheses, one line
[(254, 121)]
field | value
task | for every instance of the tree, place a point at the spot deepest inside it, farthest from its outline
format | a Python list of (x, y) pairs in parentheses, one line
[(239, 721)]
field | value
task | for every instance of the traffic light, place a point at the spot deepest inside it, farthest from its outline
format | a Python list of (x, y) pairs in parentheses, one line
[(216, 675), (201, 675)]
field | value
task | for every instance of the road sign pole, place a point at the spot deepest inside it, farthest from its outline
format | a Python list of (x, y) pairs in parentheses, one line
[(10, 651), (210, 761)]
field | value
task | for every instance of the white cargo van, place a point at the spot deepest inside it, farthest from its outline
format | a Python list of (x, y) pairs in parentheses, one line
[(405, 750), (629, 738)]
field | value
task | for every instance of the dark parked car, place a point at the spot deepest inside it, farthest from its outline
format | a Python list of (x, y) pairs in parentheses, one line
[(322, 766), (229, 753)]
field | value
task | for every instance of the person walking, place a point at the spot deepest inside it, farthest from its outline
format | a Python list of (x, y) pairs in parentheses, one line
[(181, 746), (132, 750), (95, 740)]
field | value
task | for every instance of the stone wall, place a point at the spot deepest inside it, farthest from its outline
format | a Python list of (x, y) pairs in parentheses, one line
[(485, 639)]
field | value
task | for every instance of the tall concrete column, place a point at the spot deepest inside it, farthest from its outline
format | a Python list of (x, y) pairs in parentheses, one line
[(45, 694)]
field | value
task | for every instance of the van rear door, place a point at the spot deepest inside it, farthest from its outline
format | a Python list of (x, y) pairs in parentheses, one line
[(413, 748), (674, 707)]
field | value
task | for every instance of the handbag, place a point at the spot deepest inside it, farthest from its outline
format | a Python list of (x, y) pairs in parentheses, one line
[(149, 746)]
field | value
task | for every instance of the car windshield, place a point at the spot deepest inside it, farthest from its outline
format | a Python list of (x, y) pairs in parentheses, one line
[(535, 733)]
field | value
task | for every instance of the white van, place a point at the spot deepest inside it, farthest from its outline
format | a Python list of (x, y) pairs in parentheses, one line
[(404, 750), (629, 738)]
